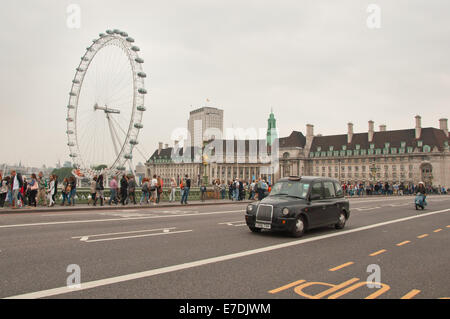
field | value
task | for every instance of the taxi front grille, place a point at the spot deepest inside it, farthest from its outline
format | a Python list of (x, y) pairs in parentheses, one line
[(265, 213)]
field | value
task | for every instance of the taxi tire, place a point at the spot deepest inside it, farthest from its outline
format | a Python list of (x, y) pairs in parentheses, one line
[(341, 225), (254, 229), (294, 231)]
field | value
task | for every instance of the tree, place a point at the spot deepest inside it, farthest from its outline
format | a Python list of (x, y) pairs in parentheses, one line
[(63, 172)]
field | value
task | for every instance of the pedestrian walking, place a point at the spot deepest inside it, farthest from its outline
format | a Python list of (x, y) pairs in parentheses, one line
[(55, 190), (223, 189), (34, 187), (145, 191), (159, 189), (93, 191), (99, 190), (50, 190), (203, 192), (123, 190), (3, 190), (113, 188), (65, 191), (42, 195), (16, 185), (153, 190), (72, 191), (132, 190), (187, 187)]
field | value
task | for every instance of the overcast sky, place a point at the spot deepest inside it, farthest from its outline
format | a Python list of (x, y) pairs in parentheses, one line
[(311, 61)]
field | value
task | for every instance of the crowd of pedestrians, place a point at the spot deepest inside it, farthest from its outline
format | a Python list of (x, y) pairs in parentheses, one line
[(17, 191), (239, 190), (385, 188)]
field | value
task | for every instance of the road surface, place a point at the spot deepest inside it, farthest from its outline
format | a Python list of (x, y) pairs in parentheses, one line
[(208, 252)]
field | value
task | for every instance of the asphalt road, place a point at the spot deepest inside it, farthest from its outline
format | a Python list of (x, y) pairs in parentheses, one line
[(208, 252)]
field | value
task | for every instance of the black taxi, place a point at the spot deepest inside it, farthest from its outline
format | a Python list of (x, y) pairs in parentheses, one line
[(296, 204)]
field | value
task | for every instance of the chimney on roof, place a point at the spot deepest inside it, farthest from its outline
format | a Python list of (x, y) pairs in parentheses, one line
[(309, 130), (160, 145), (418, 126), (371, 131), (349, 133), (166, 146), (176, 144), (383, 128), (309, 136), (443, 125)]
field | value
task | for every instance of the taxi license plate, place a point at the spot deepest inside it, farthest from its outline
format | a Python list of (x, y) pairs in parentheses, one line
[(263, 226)]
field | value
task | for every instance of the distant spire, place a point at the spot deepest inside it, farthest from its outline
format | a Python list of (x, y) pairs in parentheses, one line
[(271, 129)]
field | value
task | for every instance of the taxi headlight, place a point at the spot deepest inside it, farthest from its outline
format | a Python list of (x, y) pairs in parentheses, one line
[(250, 208), (285, 211)]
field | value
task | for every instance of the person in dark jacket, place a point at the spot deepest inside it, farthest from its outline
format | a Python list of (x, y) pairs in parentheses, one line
[(123, 189), (187, 187), (99, 188), (132, 190)]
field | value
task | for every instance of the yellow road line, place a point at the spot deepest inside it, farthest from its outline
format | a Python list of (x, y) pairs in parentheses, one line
[(378, 252), (403, 243), (411, 294), (422, 236), (342, 266), (437, 230), (292, 284)]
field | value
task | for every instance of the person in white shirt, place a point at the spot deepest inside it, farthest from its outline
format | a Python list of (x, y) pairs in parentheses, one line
[(16, 185), (50, 191), (153, 189)]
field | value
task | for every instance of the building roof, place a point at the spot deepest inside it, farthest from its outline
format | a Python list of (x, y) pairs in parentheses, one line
[(429, 136), (296, 139)]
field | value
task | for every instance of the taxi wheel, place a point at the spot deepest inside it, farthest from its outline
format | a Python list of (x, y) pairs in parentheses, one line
[(299, 227), (342, 221), (255, 230)]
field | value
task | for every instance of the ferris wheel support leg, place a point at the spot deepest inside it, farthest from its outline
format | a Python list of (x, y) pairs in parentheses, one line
[(113, 134)]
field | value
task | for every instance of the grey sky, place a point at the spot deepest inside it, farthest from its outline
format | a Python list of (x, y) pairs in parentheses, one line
[(312, 61)]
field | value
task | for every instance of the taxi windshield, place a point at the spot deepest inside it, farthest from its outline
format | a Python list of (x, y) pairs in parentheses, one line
[(290, 188)]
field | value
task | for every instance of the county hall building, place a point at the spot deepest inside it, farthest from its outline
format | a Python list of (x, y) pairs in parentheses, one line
[(410, 155)]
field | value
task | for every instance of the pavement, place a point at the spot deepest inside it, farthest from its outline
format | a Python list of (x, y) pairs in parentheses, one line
[(208, 252), (84, 207)]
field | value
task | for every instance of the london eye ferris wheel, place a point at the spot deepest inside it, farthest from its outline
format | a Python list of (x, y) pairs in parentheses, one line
[(106, 105)]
